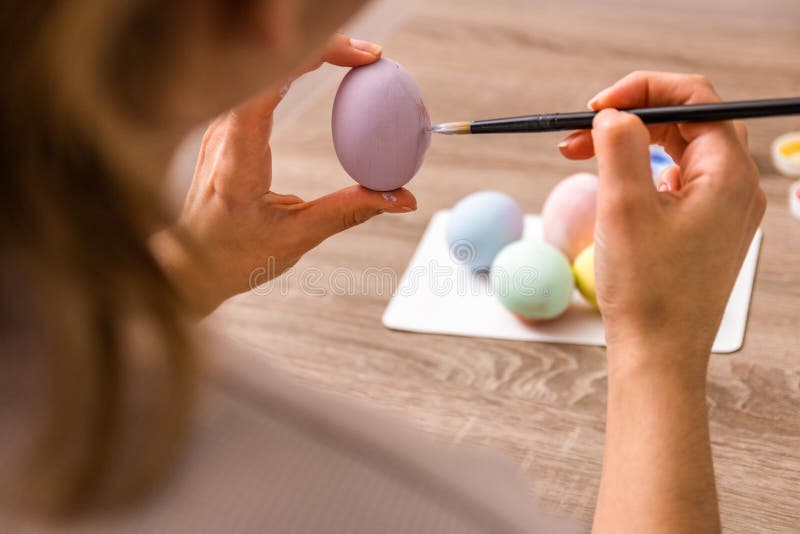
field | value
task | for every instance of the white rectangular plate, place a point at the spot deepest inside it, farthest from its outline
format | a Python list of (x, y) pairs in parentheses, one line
[(438, 296)]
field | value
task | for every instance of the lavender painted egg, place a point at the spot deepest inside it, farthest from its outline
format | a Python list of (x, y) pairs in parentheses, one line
[(569, 212), (380, 125)]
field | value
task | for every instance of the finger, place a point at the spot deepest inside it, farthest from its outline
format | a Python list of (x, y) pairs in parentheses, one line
[(621, 142), (253, 119), (254, 116), (742, 134), (651, 89), (343, 51), (669, 179), (577, 145), (239, 139), (248, 127), (284, 200), (349, 207)]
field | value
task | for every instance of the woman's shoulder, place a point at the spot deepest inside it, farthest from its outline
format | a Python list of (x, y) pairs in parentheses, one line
[(264, 453), (358, 468)]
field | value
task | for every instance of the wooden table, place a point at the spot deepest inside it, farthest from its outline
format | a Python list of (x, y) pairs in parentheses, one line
[(545, 404)]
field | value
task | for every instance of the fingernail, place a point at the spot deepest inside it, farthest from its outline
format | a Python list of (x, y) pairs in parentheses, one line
[(400, 209), (567, 140), (389, 196), (366, 46), (591, 105), (662, 188)]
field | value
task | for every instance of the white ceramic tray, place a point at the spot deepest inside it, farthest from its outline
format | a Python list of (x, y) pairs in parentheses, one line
[(438, 296)]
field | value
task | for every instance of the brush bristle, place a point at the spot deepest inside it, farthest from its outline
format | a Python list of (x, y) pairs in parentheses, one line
[(451, 128)]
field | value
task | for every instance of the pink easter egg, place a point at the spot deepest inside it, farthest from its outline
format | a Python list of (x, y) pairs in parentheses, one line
[(381, 129), (569, 213)]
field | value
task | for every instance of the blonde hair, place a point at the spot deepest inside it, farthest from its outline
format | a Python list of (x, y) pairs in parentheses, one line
[(74, 229)]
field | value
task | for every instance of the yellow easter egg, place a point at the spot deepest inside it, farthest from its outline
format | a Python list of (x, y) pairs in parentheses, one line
[(583, 268)]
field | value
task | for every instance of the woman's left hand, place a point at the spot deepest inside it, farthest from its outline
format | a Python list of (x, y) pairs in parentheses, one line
[(235, 219)]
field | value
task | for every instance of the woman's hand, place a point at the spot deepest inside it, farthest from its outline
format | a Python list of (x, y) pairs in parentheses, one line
[(667, 258), (235, 219)]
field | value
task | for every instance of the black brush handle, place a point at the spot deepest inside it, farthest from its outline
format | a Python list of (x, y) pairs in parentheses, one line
[(721, 111)]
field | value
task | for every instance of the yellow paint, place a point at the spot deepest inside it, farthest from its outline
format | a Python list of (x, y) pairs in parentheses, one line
[(583, 268), (790, 148)]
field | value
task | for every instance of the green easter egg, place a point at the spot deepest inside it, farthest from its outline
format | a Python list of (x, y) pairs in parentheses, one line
[(532, 279)]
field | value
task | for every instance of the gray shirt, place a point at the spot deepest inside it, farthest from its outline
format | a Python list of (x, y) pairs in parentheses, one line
[(265, 455)]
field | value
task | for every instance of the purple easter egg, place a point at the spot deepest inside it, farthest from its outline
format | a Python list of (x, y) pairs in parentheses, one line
[(380, 125)]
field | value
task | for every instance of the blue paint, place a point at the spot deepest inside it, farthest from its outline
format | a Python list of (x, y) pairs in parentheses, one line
[(659, 160)]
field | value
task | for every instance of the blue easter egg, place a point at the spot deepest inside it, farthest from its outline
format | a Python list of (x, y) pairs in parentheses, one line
[(480, 225)]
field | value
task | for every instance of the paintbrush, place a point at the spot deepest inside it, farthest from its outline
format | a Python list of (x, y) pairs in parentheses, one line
[(582, 120)]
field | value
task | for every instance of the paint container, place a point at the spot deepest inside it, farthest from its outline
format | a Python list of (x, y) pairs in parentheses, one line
[(659, 160), (794, 199), (786, 154)]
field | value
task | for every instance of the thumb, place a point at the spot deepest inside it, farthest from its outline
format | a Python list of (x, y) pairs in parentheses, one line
[(343, 51), (621, 143), (336, 212)]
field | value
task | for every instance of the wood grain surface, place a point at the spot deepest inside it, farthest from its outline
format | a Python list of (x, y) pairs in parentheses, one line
[(543, 404)]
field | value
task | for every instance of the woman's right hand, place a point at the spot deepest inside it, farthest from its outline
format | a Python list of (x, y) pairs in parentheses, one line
[(666, 259)]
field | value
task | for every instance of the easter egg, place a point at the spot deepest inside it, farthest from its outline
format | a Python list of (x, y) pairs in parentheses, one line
[(533, 279), (480, 225), (380, 125), (569, 212), (794, 199), (584, 274)]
